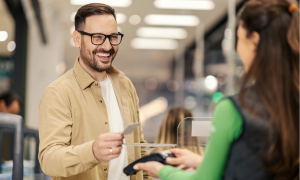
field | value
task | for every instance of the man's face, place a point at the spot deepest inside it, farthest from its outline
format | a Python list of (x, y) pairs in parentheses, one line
[(98, 57)]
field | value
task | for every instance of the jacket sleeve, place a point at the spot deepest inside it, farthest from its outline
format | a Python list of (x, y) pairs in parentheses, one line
[(56, 156)]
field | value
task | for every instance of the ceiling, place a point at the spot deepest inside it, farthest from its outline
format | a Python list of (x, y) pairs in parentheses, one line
[(6, 24), (141, 64), (138, 65)]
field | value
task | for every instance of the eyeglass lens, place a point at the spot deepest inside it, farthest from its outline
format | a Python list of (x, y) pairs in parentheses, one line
[(114, 39)]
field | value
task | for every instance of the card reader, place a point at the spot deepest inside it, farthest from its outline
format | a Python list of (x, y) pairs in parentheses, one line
[(159, 157)]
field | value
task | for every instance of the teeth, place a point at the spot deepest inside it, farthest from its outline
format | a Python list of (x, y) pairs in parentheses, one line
[(103, 54)]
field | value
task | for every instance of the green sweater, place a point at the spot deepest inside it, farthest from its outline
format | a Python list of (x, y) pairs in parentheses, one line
[(228, 127)]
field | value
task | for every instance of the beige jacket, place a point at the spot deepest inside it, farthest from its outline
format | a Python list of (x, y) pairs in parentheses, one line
[(73, 114)]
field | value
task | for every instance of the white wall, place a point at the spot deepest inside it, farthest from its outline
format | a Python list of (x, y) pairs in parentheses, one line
[(41, 58)]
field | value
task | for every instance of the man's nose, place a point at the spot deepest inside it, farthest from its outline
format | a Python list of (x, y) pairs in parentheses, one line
[(106, 45)]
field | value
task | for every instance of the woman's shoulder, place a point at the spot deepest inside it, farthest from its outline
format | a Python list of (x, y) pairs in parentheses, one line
[(226, 104), (227, 118)]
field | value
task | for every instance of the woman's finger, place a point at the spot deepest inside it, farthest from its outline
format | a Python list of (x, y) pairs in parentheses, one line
[(151, 167), (185, 168), (138, 166), (174, 161), (176, 150)]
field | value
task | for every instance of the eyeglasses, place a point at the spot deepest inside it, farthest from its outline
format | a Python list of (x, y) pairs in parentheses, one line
[(98, 38)]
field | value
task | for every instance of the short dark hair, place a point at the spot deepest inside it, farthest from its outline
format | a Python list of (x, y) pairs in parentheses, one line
[(90, 10), (9, 97)]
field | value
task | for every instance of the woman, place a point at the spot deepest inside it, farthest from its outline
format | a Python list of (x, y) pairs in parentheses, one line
[(257, 131), (168, 131)]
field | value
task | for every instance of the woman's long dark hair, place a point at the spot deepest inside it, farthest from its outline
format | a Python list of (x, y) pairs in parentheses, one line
[(274, 74)]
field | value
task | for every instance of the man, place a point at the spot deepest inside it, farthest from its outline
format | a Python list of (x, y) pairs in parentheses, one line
[(83, 112), (10, 103)]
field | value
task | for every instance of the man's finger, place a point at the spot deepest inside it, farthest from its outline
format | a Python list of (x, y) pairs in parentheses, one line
[(117, 150), (110, 157), (110, 144), (112, 151), (112, 137)]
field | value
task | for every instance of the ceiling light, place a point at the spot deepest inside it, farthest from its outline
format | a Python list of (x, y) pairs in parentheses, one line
[(211, 83), (159, 44), (11, 46), (172, 20), (3, 35), (185, 4), (114, 3), (121, 18), (134, 19), (72, 16), (171, 33)]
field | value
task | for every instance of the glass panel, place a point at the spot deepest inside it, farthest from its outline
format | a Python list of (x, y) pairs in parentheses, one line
[(193, 133)]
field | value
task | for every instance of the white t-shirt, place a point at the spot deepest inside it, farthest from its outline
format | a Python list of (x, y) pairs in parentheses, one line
[(116, 124)]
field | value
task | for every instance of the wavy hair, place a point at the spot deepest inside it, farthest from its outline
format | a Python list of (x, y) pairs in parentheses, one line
[(275, 73)]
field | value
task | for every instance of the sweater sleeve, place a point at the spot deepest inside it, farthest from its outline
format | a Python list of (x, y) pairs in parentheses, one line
[(226, 127), (57, 157)]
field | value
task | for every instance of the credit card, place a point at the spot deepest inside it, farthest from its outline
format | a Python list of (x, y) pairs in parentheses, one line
[(130, 128)]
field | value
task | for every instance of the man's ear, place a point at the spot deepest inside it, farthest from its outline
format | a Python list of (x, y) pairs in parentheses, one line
[(76, 36)]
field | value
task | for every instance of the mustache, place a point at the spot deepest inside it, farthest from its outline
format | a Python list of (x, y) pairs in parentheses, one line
[(111, 51)]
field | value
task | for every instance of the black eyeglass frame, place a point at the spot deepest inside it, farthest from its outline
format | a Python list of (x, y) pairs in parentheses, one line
[(105, 36)]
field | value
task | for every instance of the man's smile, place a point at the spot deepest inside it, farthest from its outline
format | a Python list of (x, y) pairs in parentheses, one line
[(104, 57)]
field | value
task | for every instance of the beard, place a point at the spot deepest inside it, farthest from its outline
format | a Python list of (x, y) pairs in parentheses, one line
[(90, 59)]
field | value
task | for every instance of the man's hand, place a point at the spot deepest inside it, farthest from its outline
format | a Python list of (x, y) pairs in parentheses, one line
[(185, 157), (108, 146)]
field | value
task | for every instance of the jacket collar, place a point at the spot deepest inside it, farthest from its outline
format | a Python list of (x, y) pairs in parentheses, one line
[(85, 80)]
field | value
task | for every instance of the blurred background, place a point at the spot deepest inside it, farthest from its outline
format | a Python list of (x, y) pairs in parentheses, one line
[(176, 52)]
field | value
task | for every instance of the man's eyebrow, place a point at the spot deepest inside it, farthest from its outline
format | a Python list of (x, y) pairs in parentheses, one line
[(114, 33)]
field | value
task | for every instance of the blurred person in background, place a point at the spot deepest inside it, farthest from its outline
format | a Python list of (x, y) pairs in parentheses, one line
[(256, 133), (83, 113), (10, 103), (169, 129)]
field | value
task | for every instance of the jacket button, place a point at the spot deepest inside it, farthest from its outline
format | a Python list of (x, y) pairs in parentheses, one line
[(105, 169), (105, 122), (96, 84), (101, 101)]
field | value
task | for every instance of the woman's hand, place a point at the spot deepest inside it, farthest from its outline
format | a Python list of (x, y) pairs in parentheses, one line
[(185, 157), (152, 167)]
